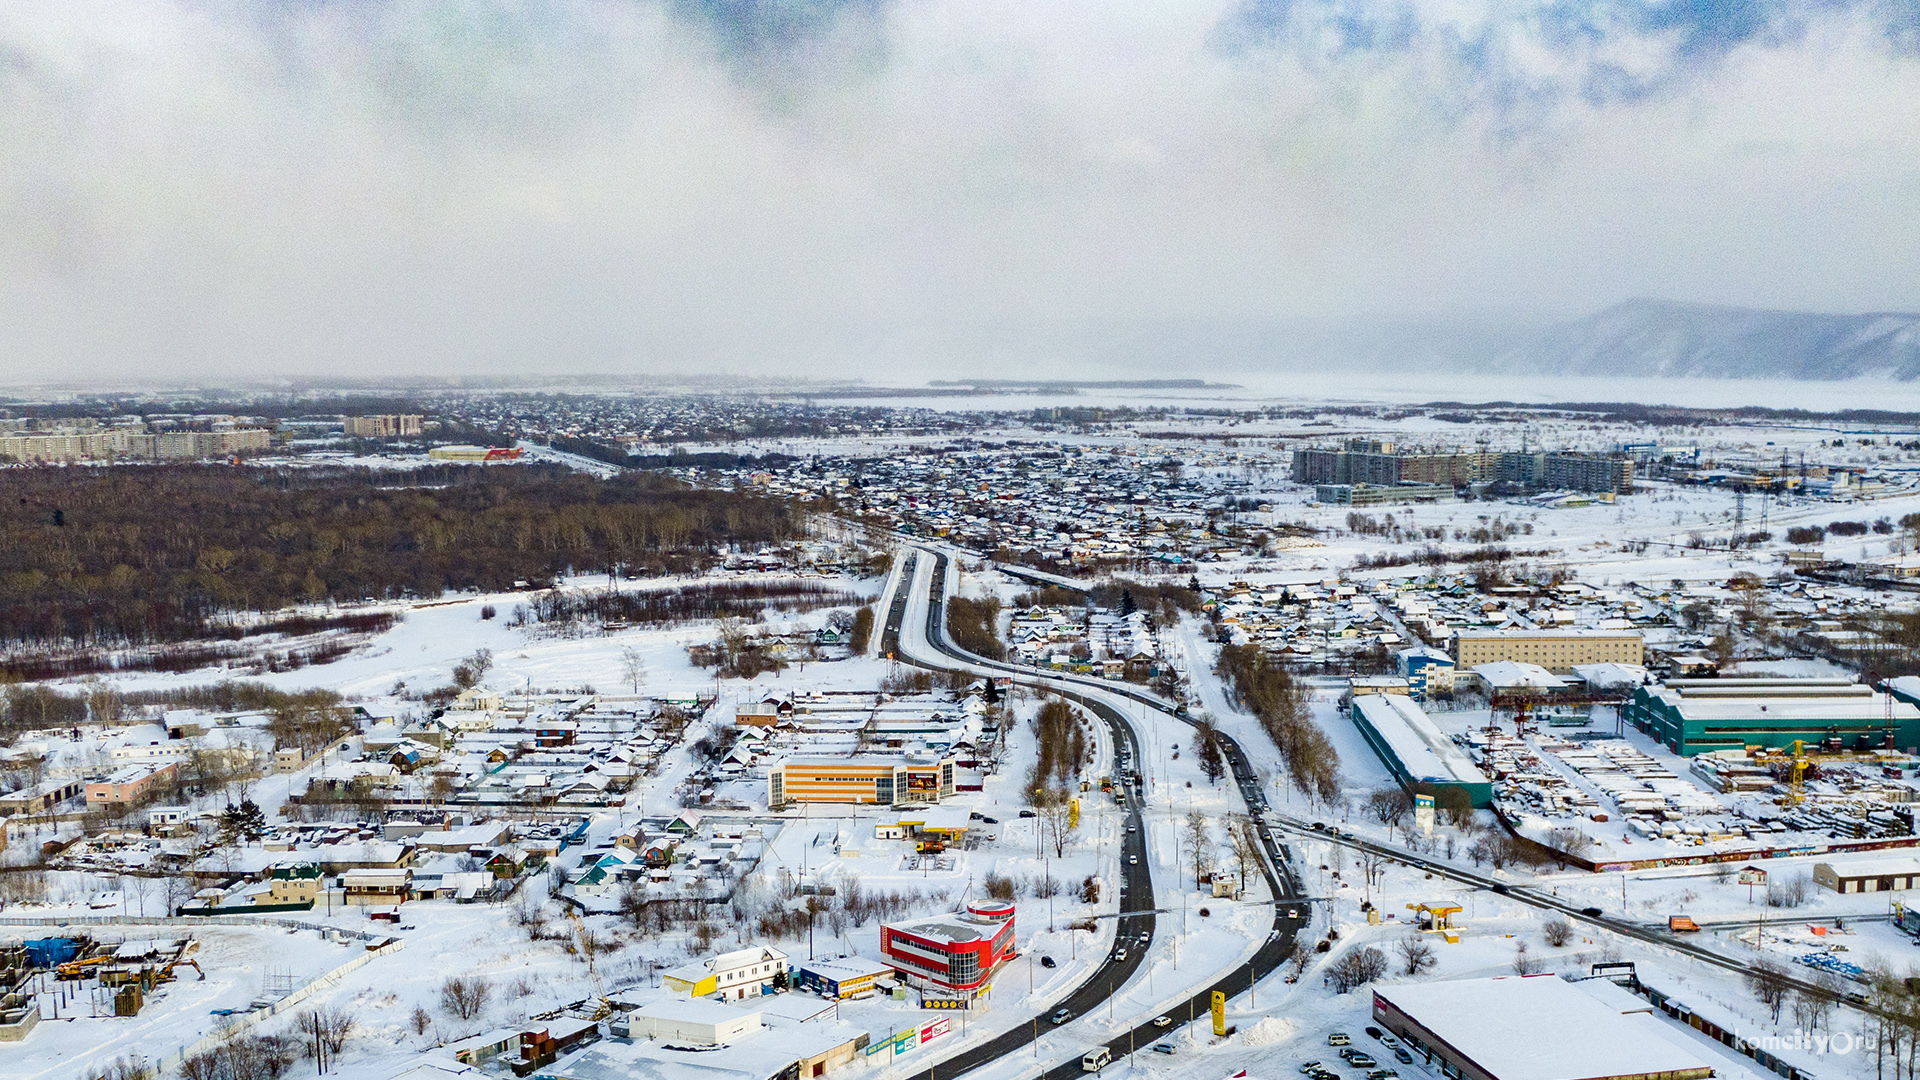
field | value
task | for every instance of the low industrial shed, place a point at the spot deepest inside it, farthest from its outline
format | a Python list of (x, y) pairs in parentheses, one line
[(1535, 1027), (1869, 875)]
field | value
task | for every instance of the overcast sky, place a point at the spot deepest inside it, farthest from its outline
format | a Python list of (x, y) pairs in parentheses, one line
[(887, 188)]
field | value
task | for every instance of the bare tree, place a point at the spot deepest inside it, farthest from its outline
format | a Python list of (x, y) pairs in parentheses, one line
[(1768, 981), (1055, 809), (464, 998), (1390, 806), (1416, 953), (1457, 805), (1200, 845), (1357, 967), (1568, 844), (1206, 747), (1373, 867), (325, 1031), (633, 668), (1246, 845), (1557, 932), (1522, 963)]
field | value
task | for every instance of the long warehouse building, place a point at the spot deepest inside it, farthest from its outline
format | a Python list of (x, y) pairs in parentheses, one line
[(1691, 716), (1418, 754)]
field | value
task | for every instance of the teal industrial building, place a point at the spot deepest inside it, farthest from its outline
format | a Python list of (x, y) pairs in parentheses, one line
[(1418, 755), (1693, 716)]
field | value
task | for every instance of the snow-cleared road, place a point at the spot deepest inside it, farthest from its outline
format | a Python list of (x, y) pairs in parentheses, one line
[(915, 631)]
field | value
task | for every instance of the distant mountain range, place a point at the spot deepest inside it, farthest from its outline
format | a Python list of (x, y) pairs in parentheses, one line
[(1662, 338)]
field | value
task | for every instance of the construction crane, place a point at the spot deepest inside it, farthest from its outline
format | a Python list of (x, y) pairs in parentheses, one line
[(1796, 771)]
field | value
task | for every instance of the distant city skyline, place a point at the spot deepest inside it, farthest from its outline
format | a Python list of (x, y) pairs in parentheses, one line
[(891, 191)]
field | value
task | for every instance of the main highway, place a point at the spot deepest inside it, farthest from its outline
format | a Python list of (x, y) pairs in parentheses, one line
[(923, 584)]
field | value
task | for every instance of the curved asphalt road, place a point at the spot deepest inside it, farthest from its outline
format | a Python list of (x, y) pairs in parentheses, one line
[(1136, 898), (1284, 929)]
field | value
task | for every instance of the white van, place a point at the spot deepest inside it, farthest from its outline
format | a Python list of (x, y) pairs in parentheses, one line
[(1095, 1060)]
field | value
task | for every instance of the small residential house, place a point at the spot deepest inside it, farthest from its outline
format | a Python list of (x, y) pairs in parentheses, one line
[(734, 975)]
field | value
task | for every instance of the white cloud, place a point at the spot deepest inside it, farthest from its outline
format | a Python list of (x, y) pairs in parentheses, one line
[(380, 188)]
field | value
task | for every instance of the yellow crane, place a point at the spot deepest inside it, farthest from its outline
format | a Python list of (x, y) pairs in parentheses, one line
[(1795, 772)]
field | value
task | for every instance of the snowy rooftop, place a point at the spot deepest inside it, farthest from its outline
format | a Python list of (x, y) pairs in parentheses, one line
[(1541, 1027), (1507, 674), (1883, 866), (1422, 749), (755, 1057), (1830, 705), (1607, 676)]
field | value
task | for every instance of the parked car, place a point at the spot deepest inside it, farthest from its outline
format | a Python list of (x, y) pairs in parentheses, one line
[(1028, 813), (990, 820), (1309, 1067), (1163, 1048), (1390, 1042), (1339, 1038), (1047, 962), (1362, 1061), (1374, 1031), (1401, 1053)]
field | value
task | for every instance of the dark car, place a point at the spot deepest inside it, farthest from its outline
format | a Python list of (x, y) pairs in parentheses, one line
[(990, 820), (1499, 888), (1028, 813), (1591, 912), (1047, 962), (1373, 1031)]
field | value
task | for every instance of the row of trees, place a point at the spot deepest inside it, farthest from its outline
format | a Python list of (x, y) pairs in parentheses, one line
[(1267, 689), (1060, 743), (141, 554), (666, 607), (975, 626)]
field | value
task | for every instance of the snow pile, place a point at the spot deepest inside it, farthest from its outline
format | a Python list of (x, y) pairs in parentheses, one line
[(1267, 1031)]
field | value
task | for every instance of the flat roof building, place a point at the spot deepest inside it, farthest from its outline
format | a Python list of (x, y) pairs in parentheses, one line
[(1414, 751), (697, 1021), (956, 953), (1558, 650), (1891, 873), (1534, 1027), (848, 978), (1689, 716), (875, 779)]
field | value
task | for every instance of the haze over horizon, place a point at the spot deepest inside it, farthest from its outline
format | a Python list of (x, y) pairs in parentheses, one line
[(890, 190)]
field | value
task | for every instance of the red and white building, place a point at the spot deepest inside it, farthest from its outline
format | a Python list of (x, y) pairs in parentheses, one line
[(955, 954)]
